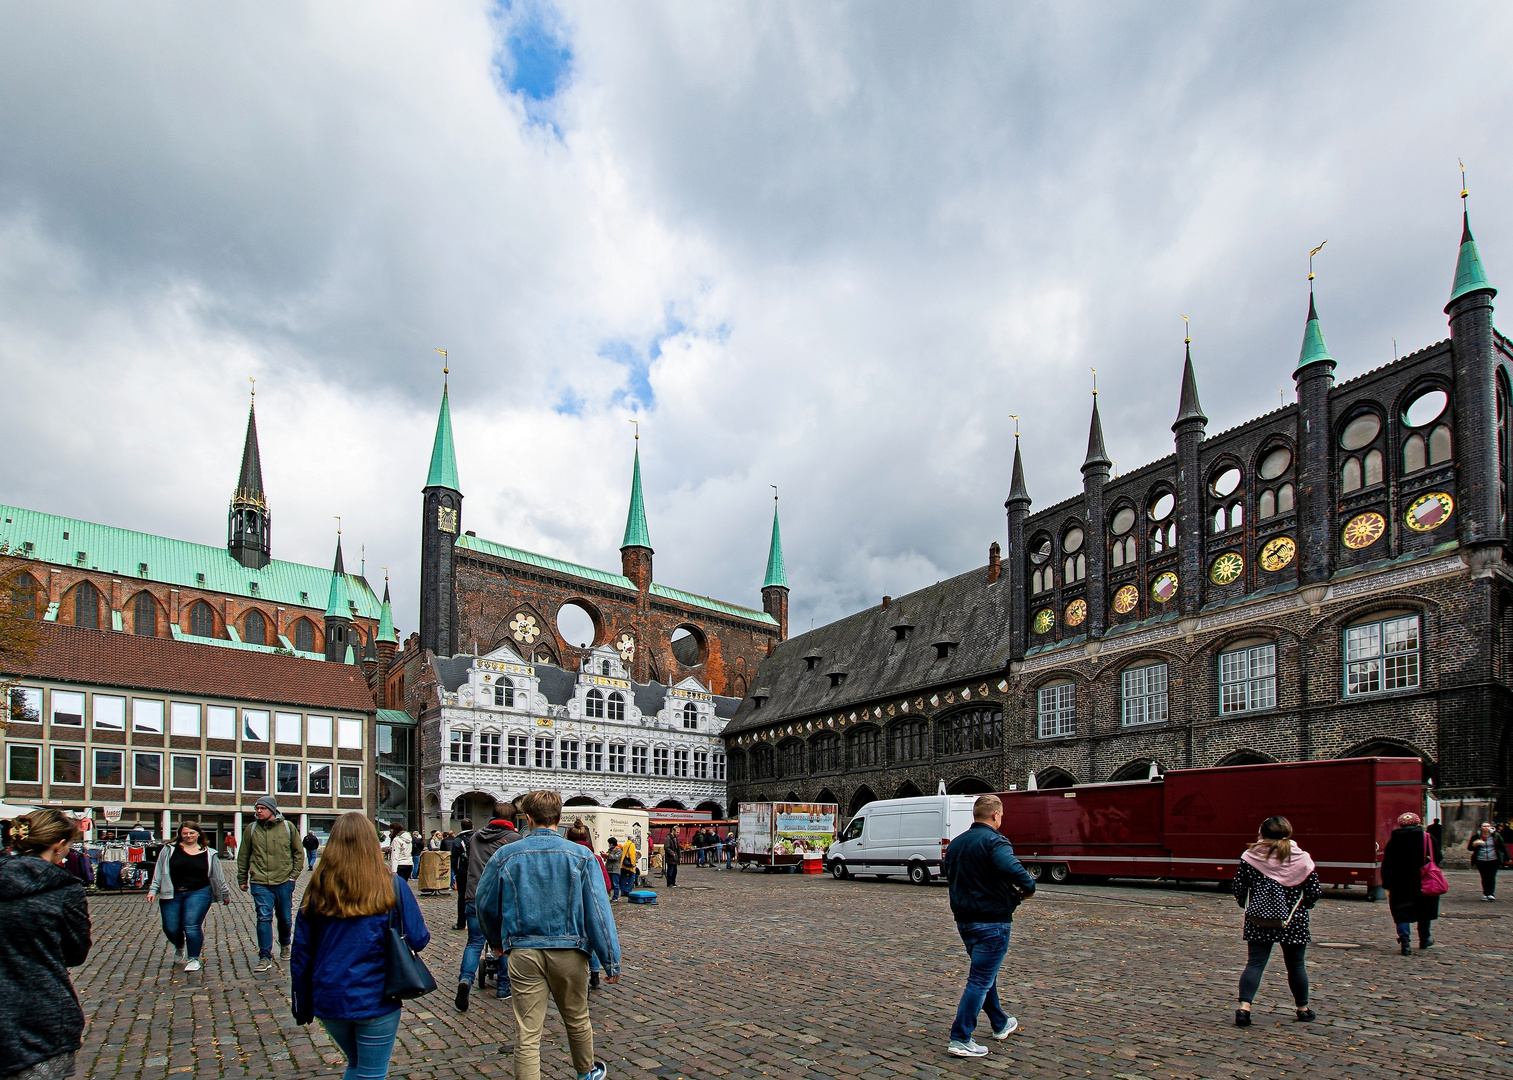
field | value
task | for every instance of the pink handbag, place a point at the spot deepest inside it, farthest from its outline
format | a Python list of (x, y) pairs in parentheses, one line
[(1431, 879)]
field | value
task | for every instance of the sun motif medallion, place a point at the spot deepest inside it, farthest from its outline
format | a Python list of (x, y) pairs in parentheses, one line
[(1126, 599), (1226, 568), (523, 628), (1363, 530), (1044, 620)]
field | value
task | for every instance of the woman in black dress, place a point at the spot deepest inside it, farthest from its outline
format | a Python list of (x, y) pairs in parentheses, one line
[(1402, 870)]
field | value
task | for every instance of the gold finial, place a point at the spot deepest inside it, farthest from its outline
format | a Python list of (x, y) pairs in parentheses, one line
[(638, 429), (254, 387), (1116, 470), (1015, 417), (1187, 331), (338, 523), (1463, 189), (385, 569), (774, 488), (1095, 380), (1311, 254), (1394, 348), (446, 367), (1281, 403)]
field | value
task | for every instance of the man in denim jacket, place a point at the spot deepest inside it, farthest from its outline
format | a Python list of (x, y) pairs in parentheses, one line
[(543, 899)]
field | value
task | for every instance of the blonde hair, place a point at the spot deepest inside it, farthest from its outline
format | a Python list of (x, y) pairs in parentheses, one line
[(351, 880), (34, 833), (1275, 838), (985, 807), (544, 808)]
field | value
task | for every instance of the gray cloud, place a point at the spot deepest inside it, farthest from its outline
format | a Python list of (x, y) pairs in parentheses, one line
[(855, 237)]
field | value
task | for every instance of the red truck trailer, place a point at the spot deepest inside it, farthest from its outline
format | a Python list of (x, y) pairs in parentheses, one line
[(1192, 824)]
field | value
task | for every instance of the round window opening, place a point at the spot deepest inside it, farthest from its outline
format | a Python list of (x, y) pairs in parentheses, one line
[(1426, 408), (1360, 431), (576, 625), (1040, 550), (1275, 463), (1162, 508), (1072, 541), (1124, 521), (1226, 482)]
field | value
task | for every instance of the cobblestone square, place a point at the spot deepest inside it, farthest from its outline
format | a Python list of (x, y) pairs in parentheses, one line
[(747, 976)]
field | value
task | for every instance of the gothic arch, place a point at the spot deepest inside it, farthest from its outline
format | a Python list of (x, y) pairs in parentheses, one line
[(26, 593), (1244, 756), (907, 790), (826, 796), (1139, 769), (1054, 777), (861, 798), (968, 785), (502, 634)]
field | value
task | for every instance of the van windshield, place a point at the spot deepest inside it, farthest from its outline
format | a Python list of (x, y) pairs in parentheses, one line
[(854, 829)]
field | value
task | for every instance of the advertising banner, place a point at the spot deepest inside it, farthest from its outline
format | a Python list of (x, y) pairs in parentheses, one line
[(803, 827)]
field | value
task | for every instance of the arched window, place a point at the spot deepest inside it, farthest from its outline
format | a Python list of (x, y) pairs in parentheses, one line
[(87, 606), (1220, 520), (24, 593), (1439, 445), (691, 716), (1266, 505), (594, 704), (304, 636), (604, 667), (1075, 568), (201, 620), (865, 748), (255, 629), (1284, 499), (1373, 467), (761, 762), (825, 753), (1236, 515), (1123, 552), (737, 762), (908, 742), (1042, 577), (969, 732), (616, 707), (791, 758), (1414, 454), (504, 694), (1350, 475)]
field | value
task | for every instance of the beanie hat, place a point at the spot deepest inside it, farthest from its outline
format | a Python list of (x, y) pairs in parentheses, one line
[(270, 803)]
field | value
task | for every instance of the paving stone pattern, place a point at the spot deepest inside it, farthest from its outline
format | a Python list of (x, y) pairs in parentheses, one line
[(748, 976)]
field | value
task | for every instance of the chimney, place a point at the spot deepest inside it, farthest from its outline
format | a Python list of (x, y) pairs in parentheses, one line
[(886, 601), (995, 566)]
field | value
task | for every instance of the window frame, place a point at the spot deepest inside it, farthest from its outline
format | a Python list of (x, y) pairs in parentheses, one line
[(1250, 681), (593, 704), (62, 752), (568, 751), (1056, 716), (344, 770), (295, 771), (247, 733), (137, 757), (544, 749), (660, 762), (10, 758), (593, 756), (459, 747), (640, 761), (717, 765), (517, 747), (614, 706), (20, 694), (215, 714), (247, 787), (1144, 696), (313, 770), (173, 772), (680, 764), (318, 730), (94, 712), (68, 697), (345, 727), (690, 716), (488, 747), (285, 723), (617, 758), (210, 763), (120, 756), (1382, 658), (914, 733)]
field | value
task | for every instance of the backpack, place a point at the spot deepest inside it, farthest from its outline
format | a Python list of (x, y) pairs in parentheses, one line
[(1267, 906)]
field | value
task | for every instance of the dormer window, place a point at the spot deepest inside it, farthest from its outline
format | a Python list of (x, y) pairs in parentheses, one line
[(901, 631), (690, 717), (141, 567), (812, 661), (504, 694), (759, 697), (604, 667), (837, 678), (81, 559), (944, 647)]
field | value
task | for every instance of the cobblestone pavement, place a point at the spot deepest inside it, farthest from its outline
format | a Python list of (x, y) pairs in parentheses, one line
[(747, 976)]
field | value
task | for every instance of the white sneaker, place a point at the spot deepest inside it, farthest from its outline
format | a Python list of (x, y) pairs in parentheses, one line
[(178, 955), (1010, 1026), (193, 965), (970, 1048)]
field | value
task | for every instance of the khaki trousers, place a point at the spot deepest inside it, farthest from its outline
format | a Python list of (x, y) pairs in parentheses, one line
[(563, 973)]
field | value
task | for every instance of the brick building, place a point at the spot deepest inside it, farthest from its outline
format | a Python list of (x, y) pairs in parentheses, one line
[(1330, 579)]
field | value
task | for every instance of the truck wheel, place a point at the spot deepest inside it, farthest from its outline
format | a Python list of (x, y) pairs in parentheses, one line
[(919, 873), (1059, 873), (1036, 871), (838, 870)]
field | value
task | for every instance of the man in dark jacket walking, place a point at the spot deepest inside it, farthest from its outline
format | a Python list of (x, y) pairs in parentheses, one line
[(460, 871), (479, 850), (987, 882)]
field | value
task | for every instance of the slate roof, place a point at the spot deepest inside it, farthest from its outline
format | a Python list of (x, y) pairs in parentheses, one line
[(171, 562), (163, 665), (964, 608), (557, 684)]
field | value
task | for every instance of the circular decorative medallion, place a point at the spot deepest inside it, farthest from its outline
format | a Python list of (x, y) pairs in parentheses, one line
[(1044, 620), (1126, 599), (1164, 587), (1076, 612), (524, 629), (1363, 530), (1429, 511), (1226, 568), (626, 644), (1278, 553)]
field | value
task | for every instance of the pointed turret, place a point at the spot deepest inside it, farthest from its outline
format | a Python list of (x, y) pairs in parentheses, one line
[(1317, 474), (1189, 431), (247, 525), (1481, 467), (635, 520), (1018, 506), (338, 611), (1189, 408), (1097, 456), (386, 619), (443, 471), (1314, 350), (440, 526), (1469, 275), (1018, 493), (775, 584)]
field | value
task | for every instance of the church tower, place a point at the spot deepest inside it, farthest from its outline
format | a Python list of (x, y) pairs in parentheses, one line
[(441, 523), (1481, 401), (775, 584), (339, 636), (248, 536), (635, 548), (1314, 376)]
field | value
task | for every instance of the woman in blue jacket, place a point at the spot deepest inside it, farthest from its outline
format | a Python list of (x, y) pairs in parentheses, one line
[(338, 962)]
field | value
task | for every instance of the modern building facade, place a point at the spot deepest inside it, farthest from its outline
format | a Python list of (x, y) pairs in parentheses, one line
[(503, 725), (1329, 579)]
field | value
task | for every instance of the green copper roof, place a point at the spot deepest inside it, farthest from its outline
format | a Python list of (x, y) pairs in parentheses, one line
[(546, 562), (635, 521), (146, 557), (1469, 275), (443, 455), (777, 573), (386, 619), (1314, 349), (337, 599), (694, 600), (397, 717)]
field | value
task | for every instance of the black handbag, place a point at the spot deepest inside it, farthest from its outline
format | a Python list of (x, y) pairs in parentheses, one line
[(406, 975)]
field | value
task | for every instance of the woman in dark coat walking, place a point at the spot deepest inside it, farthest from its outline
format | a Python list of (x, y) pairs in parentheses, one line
[(45, 917), (1277, 886), (1402, 872)]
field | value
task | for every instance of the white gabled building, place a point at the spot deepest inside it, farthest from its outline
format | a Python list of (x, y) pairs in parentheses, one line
[(508, 726)]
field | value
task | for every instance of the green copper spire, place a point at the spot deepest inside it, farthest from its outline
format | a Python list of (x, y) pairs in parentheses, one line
[(777, 573), (443, 457), (338, 601), (1469, 275), (386, 619), (635, 521), (1314, 350)]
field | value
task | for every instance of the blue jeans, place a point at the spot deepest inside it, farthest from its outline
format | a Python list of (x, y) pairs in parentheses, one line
[(184, 919), (272, 901), (310, 857), (627, 881), (987, 944), (472, 956), (367, 1044)]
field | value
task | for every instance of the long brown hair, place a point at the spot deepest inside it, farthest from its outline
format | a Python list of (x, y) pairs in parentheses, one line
[(1275, 838), (199, 833), (351, 880)]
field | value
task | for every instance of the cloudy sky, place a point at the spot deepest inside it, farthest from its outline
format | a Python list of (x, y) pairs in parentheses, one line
[(826, 246)]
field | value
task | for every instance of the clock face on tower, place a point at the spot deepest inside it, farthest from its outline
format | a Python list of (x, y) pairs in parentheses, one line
[(446, 519), (626, 644)]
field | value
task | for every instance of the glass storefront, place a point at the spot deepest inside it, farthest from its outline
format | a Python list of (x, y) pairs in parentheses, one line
[(397, 790)]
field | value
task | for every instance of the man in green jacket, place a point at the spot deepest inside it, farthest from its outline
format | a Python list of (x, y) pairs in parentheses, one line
[(269, 860)]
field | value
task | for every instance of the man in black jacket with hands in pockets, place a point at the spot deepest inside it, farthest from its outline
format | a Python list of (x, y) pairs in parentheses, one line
[(987, 883)]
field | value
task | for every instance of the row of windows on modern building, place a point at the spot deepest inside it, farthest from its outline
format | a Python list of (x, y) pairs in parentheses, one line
[(109, 712), (25, 764), (591, 755), (1380, 656), (148, 619)]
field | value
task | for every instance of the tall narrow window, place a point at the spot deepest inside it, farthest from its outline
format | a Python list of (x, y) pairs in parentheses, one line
[(1439, 445), (1266, 505), (791, 758), (1414, 455), (1284, 499), (462, 747), (638, 760), (201, 620), (544, 749), (1350, 475), (866, 748), (718, 766), (504, 694), (1373, 471), (1502, 453), (908, 743), (1143, 697), (617, 757), (255, 629), (488, 748), (24, 596), (1248, 679), (680, 763), (594, 704), (1056, 709), (304, 636), (144, 615), (690, 716), (593, 757), (1382, 656), (518, 750), (616, 707), (569, 753), (87, 606)]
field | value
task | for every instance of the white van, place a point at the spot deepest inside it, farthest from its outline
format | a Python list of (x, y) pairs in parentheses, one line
[(901, 836)]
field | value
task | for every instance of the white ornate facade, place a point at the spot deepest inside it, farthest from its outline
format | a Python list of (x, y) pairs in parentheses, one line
[(508, 726)]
